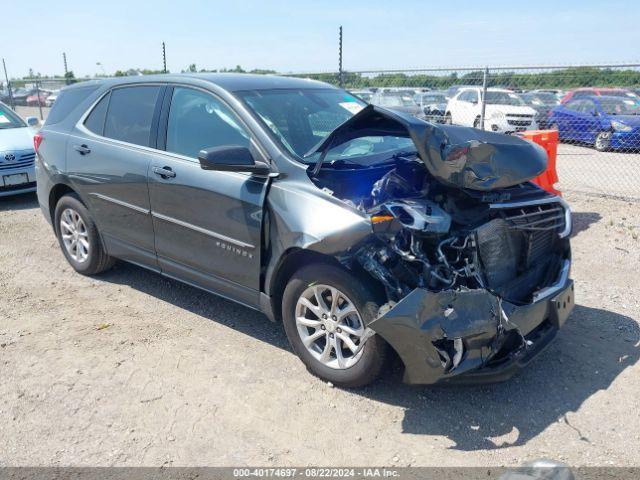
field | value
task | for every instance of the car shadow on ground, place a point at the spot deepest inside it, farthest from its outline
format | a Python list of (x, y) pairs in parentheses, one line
[(199, 302), (593, 348), (583, 220), (22, 201)]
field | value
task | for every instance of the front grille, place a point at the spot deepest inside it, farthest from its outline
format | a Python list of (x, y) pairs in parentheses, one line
[(518, 250), (25, 160), (519, 123), (540, 217), (519, 115), (11, 166)]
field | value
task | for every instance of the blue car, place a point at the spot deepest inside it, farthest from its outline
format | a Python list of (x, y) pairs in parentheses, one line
[(606, 122)]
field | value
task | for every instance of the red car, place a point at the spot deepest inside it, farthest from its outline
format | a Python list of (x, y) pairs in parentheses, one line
[(32, 100), (589, 91)]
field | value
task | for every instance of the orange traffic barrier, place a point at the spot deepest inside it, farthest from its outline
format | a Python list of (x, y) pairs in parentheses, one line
[(547, 139)]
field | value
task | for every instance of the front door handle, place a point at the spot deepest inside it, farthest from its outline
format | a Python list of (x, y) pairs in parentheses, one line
[(82, 149), (164, 172)]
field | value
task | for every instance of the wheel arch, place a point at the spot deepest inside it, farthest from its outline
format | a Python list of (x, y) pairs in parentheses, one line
[(296, 258), (55, 194)]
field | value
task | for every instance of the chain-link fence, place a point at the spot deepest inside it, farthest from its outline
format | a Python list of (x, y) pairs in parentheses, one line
[(595, 109)]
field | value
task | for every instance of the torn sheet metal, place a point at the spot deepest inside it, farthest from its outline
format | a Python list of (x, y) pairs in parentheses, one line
[(457, 156), (425, 329)]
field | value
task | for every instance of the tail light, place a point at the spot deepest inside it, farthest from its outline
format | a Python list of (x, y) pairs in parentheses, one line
[(37, 140)]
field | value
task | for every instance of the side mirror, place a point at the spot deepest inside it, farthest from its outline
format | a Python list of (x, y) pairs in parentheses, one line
[(33, 121), (231, 158)]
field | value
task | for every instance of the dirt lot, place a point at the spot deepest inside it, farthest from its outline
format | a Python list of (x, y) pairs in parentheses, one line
[(129, 368)]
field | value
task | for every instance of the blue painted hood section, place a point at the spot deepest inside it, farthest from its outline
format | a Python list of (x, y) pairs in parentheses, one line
[(457, 156)]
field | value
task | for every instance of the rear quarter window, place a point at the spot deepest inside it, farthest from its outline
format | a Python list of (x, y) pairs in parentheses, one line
[(66, 102), (95, 120)]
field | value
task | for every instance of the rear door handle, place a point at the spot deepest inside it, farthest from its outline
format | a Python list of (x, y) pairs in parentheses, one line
[(82, 149), (164, 172)]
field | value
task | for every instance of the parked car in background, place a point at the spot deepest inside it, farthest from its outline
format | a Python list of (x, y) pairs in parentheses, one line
[(5, 97), (557, 92), (363, 94), (606, 122), (542, 103), (505, 111), (17, 155), (591, 91), (397, 99), (433, 105), (358, 235), (20, 95), (453, 89), (38, 98), (51, 99)]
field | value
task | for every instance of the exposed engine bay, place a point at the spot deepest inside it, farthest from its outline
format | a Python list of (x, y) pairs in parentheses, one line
[(431, 236), (473, 257)]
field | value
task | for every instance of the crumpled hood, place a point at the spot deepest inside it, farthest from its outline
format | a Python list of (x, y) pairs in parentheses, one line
[(457, 156)]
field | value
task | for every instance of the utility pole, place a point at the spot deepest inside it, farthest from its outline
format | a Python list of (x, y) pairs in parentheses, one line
[(66, 70), (340, 79), (4, 65), (485, 78), (164, 59)]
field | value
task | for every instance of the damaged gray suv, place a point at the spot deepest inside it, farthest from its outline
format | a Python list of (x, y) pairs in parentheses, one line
[(363, 230)]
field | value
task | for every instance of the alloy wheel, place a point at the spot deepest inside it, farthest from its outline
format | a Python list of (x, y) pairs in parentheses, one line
[(330, 327), (74, 235), (603, 140)]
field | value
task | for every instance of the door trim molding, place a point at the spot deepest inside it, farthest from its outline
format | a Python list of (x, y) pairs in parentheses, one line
[(121, 203), (204, 231)]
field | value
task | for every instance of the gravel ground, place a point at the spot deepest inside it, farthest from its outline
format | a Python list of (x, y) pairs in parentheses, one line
[(129, 368)]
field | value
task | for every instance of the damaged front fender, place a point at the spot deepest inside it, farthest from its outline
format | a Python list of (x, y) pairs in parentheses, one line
[(441, 335)]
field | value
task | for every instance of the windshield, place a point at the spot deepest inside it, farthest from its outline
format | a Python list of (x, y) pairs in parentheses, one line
[(396, 99), (8, 119), (301, 118), (433, 98), (619, 106), (542, 98), (504, 98)]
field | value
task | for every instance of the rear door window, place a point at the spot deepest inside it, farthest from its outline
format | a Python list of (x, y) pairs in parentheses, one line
[(95, 120), (130, 114)]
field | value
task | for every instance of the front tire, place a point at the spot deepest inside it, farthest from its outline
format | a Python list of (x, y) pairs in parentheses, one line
[(603, 141), (78, 237), (448, 120), (326, 311)]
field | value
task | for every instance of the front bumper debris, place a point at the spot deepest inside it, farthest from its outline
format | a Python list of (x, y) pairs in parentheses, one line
[(470, 335)]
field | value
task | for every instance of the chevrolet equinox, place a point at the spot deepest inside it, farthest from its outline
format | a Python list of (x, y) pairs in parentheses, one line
[(364, 230)]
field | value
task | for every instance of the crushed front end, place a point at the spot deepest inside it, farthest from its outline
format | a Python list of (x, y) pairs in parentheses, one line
[(476, 286), (474, 258)]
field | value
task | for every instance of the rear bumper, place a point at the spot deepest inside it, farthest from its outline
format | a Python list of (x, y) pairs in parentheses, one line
[(471, 336)]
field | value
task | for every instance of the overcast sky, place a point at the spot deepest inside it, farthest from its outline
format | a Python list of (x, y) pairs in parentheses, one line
[(297, 36)]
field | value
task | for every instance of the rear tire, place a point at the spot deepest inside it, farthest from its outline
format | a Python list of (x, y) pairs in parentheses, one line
[(78, 237), (344, 367)]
